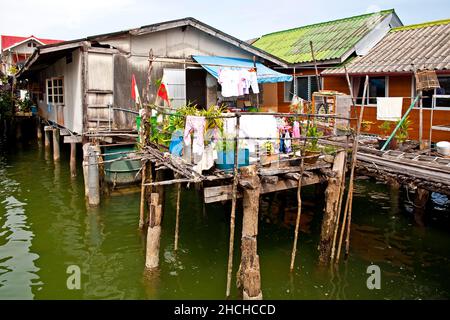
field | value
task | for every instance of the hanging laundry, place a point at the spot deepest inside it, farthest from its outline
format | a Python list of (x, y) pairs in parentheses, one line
[(287, 142), (296, 130), (196, 125), (389, 109), (253, 81)]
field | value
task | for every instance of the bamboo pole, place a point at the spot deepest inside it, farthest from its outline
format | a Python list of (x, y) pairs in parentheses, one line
[(315, 66), (348, 203), (233, 206), (299, 209), (177, 217)]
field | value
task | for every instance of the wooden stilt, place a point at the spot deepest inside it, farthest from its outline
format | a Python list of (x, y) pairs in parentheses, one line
[(299, 212), (142, 203), (47, 132), (73, 160), (420, 203), (85, 165), (332, 195), (153, 233), (177, 217), (56, 149), (339, 209), (348, 204), (233, 207), (249, 270), (38, 129), (93, 177)]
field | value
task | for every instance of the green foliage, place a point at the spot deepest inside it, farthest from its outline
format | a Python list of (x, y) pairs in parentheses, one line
[(226, 143), (402, 133), (329, 150), (6, 103), (268, 147), (314, 134), (385, 127), (25, 104)]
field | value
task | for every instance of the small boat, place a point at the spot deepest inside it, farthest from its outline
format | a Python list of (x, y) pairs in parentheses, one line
[(121, 172)]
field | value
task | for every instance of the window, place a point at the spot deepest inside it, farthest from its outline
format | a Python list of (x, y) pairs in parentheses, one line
[(32, 44), (427, 100), (55, 90), (377, 88), (306, 86)]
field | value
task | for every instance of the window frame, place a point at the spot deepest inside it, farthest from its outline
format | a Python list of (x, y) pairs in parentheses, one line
[(53, 95), (310, 78), (367, 103)]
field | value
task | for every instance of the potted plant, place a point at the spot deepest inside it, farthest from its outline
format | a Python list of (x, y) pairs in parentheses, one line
[(312, 150), (268, 153), (366, 125), (385, 128), (225, 154), (329, 152), (402, 133)]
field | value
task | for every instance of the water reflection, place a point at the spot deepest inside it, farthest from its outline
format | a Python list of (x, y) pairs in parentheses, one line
[(18, 272)]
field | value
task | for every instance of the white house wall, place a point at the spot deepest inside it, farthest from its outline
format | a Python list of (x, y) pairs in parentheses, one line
[(72, 109)]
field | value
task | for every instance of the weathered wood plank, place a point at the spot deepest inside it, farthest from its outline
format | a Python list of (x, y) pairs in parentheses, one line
[(223, 193)]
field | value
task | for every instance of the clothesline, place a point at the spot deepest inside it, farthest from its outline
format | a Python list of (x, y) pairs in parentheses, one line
[(183, 61)]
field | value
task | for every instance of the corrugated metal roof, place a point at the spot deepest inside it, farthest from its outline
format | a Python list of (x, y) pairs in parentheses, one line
[(426, 45), (331, 39)]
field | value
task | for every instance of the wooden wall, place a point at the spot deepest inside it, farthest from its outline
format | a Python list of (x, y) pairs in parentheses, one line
[(399, 86)]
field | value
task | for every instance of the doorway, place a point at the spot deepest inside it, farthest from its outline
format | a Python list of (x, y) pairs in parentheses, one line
[(196, 87)]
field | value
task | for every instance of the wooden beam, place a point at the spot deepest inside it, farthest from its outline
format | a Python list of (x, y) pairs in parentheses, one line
[(73, 139), (223, 193)]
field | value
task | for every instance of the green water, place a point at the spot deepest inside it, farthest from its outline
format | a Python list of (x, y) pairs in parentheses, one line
[(45, 227)]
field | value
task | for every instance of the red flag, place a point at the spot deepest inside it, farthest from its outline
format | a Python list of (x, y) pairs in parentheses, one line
[(134, 90), (162, 93)]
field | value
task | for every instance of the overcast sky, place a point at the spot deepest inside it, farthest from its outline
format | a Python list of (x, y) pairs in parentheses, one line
[(61, 19)]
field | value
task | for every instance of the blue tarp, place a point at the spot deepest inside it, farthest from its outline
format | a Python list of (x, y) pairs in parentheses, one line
[(263, 73)]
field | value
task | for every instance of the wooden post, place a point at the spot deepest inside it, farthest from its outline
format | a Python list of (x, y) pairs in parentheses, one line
[(153, 233), (47, 130), (341, 199), (319, 87), (332, 195), (38, 128), (233, 206), (143, 188), (93, 177), (299, 212), (177, 217), (348, 203), (56, 150), (85, 166), (249, 271), (73, 159), (420, 202)]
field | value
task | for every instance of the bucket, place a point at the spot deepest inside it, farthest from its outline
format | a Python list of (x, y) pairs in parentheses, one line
[(443, 147)]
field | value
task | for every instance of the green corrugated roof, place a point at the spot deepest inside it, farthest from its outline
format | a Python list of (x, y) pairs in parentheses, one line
[(421, 25), (331, 40)]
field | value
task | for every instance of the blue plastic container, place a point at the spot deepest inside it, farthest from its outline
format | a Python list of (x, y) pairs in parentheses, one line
[(225, 160)]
